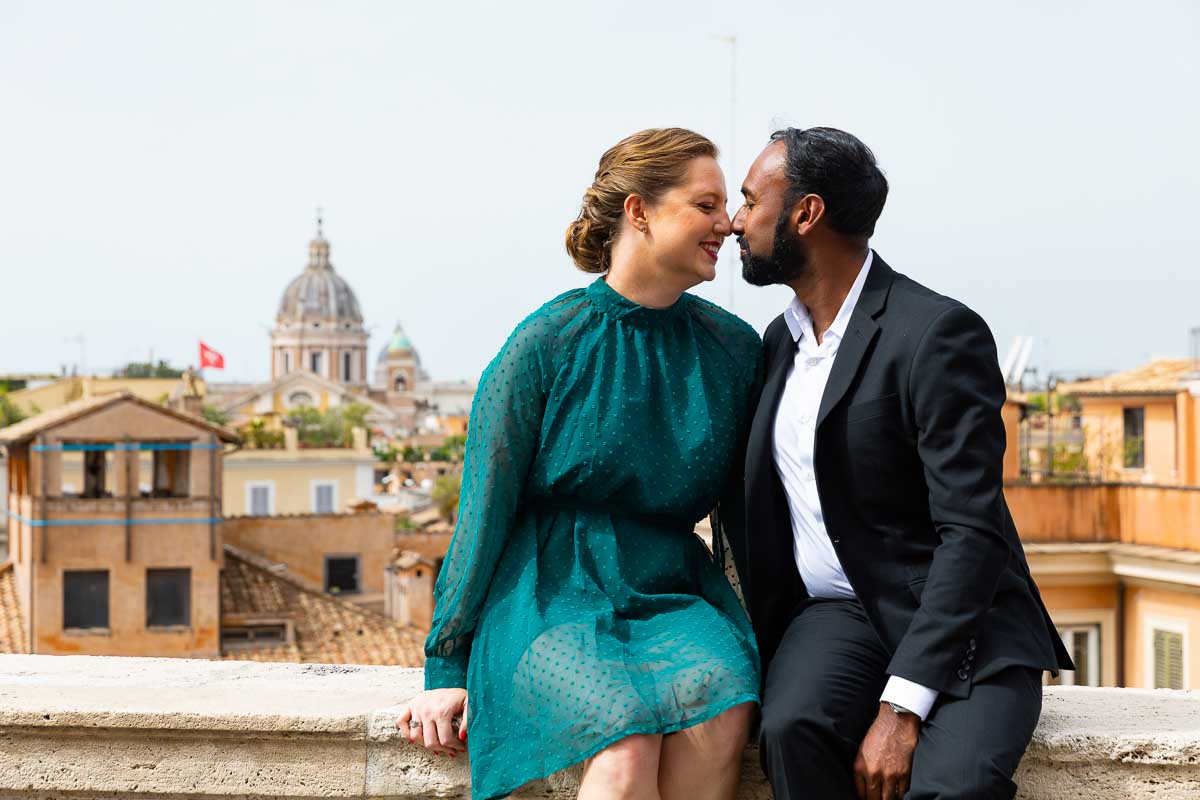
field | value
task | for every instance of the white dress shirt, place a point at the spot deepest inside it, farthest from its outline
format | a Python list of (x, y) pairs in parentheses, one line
[(794, 437)]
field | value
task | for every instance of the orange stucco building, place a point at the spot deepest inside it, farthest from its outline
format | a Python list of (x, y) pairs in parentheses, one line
[(1143, 425)]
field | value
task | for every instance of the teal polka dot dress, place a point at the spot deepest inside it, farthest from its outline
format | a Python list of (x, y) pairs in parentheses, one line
[(575, 604)]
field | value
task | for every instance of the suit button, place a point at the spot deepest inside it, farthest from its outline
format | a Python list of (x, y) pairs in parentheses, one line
[(971, 644), (963, 674), (971, 656)]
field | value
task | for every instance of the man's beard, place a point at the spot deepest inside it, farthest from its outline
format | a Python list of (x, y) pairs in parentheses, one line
[(787, 262)]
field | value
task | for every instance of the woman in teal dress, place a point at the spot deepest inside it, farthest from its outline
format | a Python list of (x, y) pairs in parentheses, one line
[(576, 607)]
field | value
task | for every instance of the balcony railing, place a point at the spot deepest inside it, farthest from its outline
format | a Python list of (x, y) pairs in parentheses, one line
[(84, 726), (1160, 516)]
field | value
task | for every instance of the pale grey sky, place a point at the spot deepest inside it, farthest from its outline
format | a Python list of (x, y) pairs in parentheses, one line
[(162, 160)]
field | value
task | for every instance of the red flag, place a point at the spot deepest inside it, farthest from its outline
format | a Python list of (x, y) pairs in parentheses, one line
[(210, 358)]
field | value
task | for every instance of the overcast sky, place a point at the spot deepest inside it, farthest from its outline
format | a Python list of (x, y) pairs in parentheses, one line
[(162, 160)]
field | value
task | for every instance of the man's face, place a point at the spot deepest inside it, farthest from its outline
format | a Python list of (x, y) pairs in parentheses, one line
[(771, 252)]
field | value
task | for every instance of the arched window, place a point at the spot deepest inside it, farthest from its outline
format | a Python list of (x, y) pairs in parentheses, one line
[(401, 382), (300, 399)]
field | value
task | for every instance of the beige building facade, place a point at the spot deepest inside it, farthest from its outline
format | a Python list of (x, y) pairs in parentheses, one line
[(298, 480), (103, 564)]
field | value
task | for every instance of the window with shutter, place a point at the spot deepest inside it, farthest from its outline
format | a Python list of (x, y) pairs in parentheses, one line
[(324, 497), (1168, 659), (260, 500)]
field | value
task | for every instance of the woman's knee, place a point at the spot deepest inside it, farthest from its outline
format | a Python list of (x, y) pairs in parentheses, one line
[(626, 764), (722, 739)]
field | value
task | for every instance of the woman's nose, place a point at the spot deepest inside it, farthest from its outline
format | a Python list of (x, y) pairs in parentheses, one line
[(723, 227)]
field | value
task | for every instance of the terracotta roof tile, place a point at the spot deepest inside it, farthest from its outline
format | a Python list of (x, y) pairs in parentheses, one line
[(12, 633), (327, 629), (1162, 375)]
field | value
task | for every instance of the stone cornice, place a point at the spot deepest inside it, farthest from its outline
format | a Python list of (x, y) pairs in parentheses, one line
[(178, 728)]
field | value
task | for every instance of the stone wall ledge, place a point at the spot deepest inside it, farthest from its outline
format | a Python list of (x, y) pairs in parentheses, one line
[(95, 727)]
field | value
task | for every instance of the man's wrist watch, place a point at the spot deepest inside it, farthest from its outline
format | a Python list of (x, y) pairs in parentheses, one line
[(898, 709)]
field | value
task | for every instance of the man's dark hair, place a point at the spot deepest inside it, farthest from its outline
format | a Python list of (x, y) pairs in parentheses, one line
[(842, 170)]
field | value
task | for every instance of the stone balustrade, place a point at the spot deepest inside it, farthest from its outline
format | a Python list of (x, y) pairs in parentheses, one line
[(94, 727)]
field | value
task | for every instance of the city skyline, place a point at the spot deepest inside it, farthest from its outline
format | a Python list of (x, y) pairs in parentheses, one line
[(167, 163)]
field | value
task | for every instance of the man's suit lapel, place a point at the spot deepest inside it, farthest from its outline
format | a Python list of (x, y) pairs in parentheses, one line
[(861, 331)]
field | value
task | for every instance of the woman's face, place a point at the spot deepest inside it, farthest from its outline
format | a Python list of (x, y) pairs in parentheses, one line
[(686, 226)]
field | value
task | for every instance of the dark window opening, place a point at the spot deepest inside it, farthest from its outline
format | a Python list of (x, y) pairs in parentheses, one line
[(171, 473), (244, 636), (346, 367), (85, 599), (314, 362), (168, 597), (1135, 438), (341, 574)]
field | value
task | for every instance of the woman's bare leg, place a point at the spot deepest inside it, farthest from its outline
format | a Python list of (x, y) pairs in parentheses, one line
[(625, 770), (704, 762)]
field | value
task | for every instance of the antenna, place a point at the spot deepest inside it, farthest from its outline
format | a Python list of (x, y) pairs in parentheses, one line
[(80, 340)]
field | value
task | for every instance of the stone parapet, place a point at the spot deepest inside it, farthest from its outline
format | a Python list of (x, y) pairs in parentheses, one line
[(96, 727)]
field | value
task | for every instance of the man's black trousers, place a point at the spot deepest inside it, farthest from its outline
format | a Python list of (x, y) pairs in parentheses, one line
[(822, 694)]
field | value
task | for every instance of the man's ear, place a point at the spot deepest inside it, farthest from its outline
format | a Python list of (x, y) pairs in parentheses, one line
[(806, 213), (635, 212)]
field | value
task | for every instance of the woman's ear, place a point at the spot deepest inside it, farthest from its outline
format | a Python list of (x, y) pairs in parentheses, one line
[(635, 212)]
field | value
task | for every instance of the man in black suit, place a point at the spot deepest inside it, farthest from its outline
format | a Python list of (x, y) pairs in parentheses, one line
[(902, 636)]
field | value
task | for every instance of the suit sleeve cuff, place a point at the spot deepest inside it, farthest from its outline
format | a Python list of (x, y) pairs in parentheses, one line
[(912, 696)]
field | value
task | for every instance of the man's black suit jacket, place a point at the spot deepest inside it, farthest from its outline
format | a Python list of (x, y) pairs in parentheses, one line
[(908, 453)]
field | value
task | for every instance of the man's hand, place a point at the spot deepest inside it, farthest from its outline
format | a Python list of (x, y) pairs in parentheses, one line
[(883, 765)]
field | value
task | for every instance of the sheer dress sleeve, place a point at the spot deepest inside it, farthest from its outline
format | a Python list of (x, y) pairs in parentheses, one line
[(728, 518), (502, 440)]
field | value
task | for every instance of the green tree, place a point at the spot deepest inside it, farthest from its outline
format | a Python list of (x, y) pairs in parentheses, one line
[(147, 369), (412, 454), (258, 437), (214, 415), (354, 415), (9, 412), (456, 446), (445, 496)]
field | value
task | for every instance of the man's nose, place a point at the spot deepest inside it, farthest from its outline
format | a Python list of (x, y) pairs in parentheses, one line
[(738, 225)]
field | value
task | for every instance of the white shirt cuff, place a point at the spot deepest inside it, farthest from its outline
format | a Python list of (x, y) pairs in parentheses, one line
[(913, 696)]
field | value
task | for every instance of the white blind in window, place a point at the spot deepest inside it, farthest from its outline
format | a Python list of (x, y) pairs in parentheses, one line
[(260, 500), (324, 500)]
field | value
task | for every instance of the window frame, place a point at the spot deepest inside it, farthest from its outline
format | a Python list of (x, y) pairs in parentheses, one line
[(250, 487), (1139, 463), (357, 558), (187, 599), (1167, 625), (313, 486), (88, 629)]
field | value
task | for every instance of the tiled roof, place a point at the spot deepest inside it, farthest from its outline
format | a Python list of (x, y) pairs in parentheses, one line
[(1160, 376), (328, 630), (28, 428), (12, 634)]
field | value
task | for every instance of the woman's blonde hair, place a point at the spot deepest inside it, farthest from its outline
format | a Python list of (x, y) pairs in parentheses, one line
[(648, 164)]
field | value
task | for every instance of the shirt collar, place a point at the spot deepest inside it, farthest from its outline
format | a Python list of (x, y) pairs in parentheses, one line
[(799, 321)]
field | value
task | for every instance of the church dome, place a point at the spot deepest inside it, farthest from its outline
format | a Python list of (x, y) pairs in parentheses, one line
[(319, 296)]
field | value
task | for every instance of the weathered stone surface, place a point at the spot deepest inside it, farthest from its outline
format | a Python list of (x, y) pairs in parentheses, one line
[(91, 727)]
